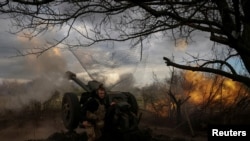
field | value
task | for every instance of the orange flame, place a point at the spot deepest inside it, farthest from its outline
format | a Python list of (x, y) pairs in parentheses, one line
[(205, 88)]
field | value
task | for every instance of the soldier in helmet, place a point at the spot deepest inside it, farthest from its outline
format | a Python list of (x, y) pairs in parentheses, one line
[(93, 118)]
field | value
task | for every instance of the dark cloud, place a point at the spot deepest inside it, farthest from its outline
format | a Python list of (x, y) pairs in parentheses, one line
[(13, 68), (104, 57)]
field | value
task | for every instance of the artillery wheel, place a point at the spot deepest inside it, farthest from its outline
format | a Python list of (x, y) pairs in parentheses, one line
[(132, 101), (70, 111)]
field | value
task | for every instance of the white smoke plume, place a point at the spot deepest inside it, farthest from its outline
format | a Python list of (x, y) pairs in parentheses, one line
[(49, 70), (105, 66)]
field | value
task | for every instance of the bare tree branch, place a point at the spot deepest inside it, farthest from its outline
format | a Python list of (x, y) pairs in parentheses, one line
[(33, 2), (4, 3), (234, 77), (227, 23)]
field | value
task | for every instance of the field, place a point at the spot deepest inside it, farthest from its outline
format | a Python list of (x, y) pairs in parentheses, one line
[(46, 125), (29, 116)]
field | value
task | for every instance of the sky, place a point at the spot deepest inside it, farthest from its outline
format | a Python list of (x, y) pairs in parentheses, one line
[(109, 63)]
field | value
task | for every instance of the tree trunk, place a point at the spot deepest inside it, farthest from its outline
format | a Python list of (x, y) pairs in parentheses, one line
[(242, 46), (178, 113)]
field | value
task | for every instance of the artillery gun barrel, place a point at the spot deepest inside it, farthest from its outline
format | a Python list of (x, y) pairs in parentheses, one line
[(72, 76)]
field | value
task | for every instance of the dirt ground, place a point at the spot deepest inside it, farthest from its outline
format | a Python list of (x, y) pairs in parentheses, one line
[(21, 130), (40, 129)]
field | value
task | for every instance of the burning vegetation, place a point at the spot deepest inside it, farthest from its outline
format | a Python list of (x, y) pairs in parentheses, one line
[(214, 89), (199, 97)]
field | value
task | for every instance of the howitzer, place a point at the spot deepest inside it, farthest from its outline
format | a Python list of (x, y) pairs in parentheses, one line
[(72, 105), (72, 76)]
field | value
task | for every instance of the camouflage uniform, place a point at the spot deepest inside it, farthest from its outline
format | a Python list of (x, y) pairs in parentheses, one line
[(94, 131)]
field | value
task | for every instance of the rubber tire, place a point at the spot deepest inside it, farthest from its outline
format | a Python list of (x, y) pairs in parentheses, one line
[(70, 111), (132, 101)]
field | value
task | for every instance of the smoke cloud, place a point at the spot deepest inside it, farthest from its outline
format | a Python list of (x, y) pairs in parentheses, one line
[(108, 67), (48, 69)]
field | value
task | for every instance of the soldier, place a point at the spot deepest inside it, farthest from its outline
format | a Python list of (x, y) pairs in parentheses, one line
[(93, 119)]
